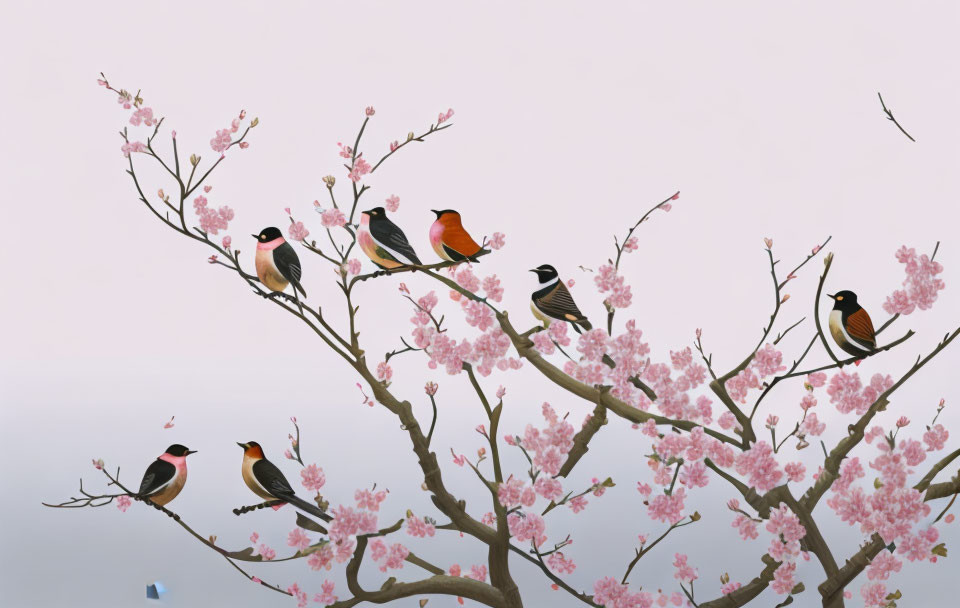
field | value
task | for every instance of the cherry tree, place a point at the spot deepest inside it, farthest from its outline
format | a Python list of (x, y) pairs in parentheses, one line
[(701, 424)]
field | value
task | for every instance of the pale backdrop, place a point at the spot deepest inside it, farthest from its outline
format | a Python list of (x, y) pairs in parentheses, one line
[(570, 121)]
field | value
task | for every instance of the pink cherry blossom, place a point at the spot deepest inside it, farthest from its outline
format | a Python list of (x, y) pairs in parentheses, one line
[(312, 477), (527, 527), (326, 597), (921, 283), (332, 218), (882, 565), (322, 558), (684, 572), (367, 499), (611, 593), (345, 151), (420, 528), (760, 465), (212, 221), (144, 115), (123, 503), (384, 372), (444, 116), (795, 471), (370, 111), (299, 539), (496, 241), (631, 244), (297, 231), (266, 552), (478, 572), (227, 241), (560, 564), (874, 594), (360, 168), (392, 203), (133, 146), (667, 508), (936, 437)]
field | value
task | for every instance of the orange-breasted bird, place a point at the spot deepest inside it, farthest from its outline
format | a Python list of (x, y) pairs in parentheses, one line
[(384, 242), (850, 325), (450, 240), (277, 263), (552, 300), (267, 482), (165, 476)]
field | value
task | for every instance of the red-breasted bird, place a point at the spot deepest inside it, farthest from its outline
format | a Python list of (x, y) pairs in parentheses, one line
[(267, 482), (384, 242), (850, 325), (450, 240), (277, 262), (166, 476), (552, 300)]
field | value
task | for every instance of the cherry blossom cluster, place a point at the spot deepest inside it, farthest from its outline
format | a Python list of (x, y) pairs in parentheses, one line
[(921, 284), (785, 546), (212, 221), (488, 351), (893, 509)]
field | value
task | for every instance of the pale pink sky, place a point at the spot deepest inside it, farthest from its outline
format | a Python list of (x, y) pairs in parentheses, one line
[(570, 122)]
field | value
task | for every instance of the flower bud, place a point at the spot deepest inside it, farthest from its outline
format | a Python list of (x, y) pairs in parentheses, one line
[(254, 122), (194, 159)]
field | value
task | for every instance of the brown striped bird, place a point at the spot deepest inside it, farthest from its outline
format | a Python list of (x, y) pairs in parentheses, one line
[(850, 325), (552, 300), (450, 240)]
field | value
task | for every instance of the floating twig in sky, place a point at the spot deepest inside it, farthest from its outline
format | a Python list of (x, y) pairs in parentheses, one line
[(890, 117)]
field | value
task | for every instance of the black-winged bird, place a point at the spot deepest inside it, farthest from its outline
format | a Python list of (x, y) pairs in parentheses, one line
[(850, 325), (552, 300), (266, 481), (384, 242), (277, 263), (449, 238), (165, 476)]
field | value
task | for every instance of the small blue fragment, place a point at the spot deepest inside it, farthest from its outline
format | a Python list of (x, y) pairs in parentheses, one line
[(154, 590)]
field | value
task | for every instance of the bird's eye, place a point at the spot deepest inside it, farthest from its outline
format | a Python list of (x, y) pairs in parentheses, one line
[(839, 298)]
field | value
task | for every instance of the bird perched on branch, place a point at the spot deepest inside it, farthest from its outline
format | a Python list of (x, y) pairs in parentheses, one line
[(850, 325), (165, 476), (450, 240), (384, 242), (267, 482), (552, 300), (277, 263)]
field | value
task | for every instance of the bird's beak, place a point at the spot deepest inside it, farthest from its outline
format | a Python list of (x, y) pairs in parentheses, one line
[(532, 270), (832, 296), (256, 236), (191, 452), (243, 445), (435, 211)]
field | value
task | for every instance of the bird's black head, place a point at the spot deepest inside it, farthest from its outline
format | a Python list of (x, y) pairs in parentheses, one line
[(545, 273), (844, 300), (179, 450), (376, 212), (268, 234), (443, 212)]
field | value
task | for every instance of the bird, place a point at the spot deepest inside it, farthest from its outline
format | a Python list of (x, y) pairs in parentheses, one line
[(384, 242), (850, 325), (165, 476), (267, 482), (277, 262), (552, 300), (449, 239)]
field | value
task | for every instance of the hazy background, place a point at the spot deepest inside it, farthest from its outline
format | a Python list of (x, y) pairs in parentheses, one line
[(570, 122)]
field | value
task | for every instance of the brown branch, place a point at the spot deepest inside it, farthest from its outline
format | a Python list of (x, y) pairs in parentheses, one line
[(582, 439), (891, 118), (831, 464)]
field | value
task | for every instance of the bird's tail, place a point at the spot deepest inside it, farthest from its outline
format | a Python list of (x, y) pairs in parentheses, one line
[(306, 506), (298, 287), (582, 323)]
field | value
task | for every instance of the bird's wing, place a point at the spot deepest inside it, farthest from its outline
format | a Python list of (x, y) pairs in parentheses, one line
[(287, 261), (860, 328), (389, 236), (158, 474), (458, 239), (559, 304), (270, 477)]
